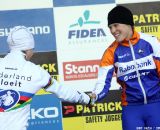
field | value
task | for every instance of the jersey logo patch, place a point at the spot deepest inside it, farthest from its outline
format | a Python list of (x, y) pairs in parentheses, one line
[(8, 98)]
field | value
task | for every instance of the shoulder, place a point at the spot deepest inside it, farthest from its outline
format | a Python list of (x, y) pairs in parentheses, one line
[(35, 68), (37, 71), (108, 56), (111, 49), (113, 45), (147, 37), (152, 40)]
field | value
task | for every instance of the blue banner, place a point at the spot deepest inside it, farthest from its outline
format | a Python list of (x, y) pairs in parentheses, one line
[(40, 23), (46, 113), (61, 3)]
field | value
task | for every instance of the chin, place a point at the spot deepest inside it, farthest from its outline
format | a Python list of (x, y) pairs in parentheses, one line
[(118, 40)]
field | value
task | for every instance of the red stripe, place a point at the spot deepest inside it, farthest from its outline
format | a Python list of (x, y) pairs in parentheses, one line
[(1, 110), (24, 98)]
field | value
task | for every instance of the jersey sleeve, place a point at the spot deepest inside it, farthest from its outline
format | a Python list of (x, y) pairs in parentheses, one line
[(156, 53), (105, 74), (155, 44), (63, 92), (67, 94), (45, 79)]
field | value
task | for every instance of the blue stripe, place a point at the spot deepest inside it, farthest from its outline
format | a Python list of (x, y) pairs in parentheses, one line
[(61, 3), (26, 94)]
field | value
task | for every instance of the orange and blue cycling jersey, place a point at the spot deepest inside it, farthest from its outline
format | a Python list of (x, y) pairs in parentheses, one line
[(137, 66)]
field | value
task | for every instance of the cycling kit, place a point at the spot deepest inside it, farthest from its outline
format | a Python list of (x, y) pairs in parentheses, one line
[(137, 65), (19, 81), (141, 117)]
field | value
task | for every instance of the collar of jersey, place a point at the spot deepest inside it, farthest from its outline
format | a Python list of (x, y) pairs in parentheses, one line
[(135, 38)]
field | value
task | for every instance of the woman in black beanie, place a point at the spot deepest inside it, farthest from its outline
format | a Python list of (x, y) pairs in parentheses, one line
[(135, 58)]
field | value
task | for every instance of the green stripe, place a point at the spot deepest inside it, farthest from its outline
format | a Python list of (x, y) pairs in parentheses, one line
[(20, 106)]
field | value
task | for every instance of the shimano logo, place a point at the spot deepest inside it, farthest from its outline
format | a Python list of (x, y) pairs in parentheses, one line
[(126, 78), (86, 33), (132, 67), (37, 30)]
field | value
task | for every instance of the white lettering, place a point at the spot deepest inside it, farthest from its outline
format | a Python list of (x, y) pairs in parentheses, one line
[(80, 69), (36, 30), (50, 112), (126, 78)]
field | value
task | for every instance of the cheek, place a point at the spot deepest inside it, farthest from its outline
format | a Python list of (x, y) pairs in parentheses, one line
[(111, 31), (124, 32), (31, 55)]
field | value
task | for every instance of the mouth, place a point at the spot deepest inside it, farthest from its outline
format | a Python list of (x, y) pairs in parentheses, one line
[(116, 35)]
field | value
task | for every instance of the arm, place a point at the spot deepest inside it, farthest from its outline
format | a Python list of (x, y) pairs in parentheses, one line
[(156, 53), (105, 74), (155, 45), (104, 82), (62, 92), (67, 94)]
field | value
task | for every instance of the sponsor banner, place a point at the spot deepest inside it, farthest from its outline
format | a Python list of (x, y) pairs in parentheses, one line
[(61, 3), (83, 28), (100, 122), (103, 114), (82, 75), (82, 36), (111, 104), (80, 70), (48, 61), (42, 29), (45, 113), (25, 4), (146, 19)]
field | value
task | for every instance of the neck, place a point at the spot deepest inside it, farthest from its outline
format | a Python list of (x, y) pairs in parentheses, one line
[(130, 34)]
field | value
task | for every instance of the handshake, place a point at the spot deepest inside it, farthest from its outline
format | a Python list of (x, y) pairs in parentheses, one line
[(88, 99)]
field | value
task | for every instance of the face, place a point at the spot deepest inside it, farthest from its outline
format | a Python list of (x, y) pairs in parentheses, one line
[(29, 54), (121, 31)]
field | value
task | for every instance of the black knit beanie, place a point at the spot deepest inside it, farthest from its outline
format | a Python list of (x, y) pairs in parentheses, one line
[(120, 14)]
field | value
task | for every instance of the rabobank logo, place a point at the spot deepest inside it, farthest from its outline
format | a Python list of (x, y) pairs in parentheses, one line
[(145, 63), (133, 67), (86, 27)]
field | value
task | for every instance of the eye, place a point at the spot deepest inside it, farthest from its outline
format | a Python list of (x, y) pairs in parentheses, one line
[(116, 25), (110, 27)]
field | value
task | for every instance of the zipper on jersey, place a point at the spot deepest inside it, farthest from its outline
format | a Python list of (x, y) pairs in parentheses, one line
[(138, 74)]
